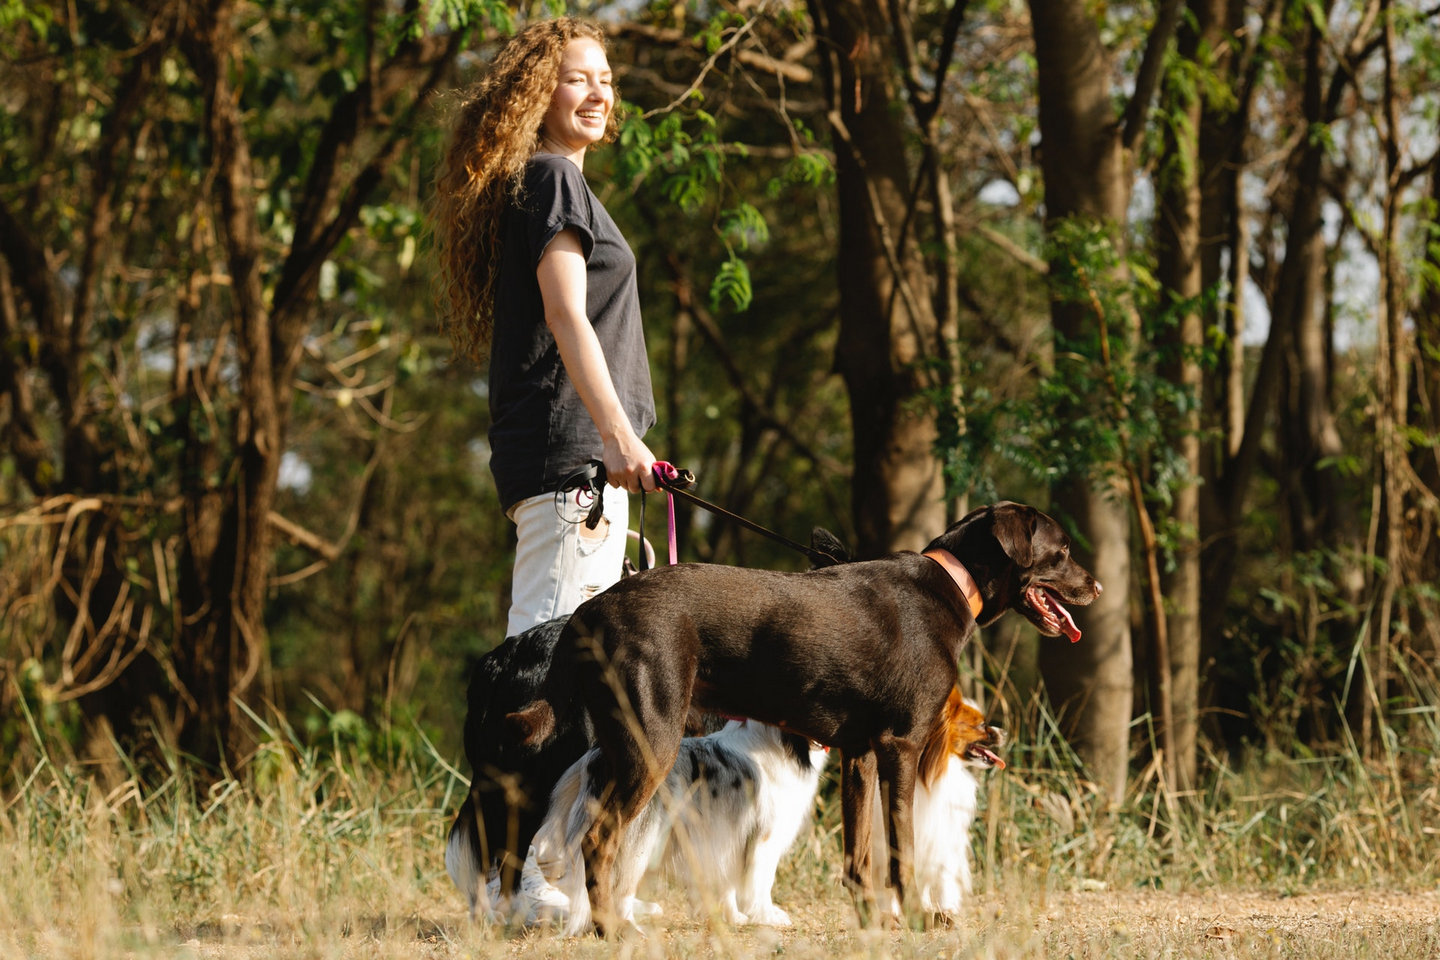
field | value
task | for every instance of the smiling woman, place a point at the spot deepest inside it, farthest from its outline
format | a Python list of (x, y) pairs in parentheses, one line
[(580, 108), (538, 276)]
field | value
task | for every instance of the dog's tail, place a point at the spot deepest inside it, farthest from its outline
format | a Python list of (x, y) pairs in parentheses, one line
[(463, 858)]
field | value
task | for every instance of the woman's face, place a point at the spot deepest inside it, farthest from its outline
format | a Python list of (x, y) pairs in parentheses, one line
[(583, 98)]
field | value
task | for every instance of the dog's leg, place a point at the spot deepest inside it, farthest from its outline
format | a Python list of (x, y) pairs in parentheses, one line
[(896, 761), (638, 715), (552, 867), (632, 785), (756, 900), (857, 797), (642, 835)]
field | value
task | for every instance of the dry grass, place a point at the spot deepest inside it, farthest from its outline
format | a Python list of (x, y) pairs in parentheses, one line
[(330, 853)]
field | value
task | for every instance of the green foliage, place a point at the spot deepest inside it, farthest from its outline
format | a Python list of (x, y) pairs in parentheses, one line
[(812, 168), (712, 34), (14, 13), (743, 225), (1428, 266), (1106, 405), (495, 14), (682, 148), (732, 285)]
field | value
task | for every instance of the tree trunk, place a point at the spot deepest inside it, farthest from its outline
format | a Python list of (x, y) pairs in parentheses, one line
[(1091, 683), (1228, 464), (223, 625), (1178, 241), (1320, 519), (1084, 164), (1423, 531), (888, 325)]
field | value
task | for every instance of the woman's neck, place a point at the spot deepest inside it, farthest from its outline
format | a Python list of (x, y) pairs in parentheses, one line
[(549, 146)]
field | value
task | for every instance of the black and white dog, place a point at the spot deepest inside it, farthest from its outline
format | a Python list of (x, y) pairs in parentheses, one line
[(510, 788), (722, 819)]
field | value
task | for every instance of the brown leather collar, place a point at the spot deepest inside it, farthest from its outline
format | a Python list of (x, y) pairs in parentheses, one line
[(968, 587)]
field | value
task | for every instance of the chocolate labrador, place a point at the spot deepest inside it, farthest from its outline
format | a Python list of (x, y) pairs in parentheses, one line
[(858, 656), (510, 786)]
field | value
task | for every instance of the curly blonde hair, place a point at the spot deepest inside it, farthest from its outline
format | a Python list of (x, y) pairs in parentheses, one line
[(496, 130)]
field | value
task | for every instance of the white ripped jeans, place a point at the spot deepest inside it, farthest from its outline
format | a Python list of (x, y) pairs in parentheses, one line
[(559, 562)]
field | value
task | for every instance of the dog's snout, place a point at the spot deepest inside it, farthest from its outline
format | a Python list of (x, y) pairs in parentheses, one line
[(1098, 589)]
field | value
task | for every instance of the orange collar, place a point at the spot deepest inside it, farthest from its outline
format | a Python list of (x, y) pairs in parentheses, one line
[(968, 588)]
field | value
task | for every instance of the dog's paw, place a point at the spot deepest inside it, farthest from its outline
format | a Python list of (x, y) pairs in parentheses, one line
[(644, 909), (630, 932), (940, 920), (625, 930), (769, 915)]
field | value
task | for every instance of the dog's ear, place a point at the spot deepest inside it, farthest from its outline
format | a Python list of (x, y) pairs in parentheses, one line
[(1014, 526), (822, 541)]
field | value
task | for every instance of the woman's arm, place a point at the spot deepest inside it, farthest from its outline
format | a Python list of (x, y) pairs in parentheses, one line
[(561, 273)]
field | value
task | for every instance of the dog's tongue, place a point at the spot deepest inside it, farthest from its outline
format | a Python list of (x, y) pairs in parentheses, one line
[(1067, 622), (991, 756)]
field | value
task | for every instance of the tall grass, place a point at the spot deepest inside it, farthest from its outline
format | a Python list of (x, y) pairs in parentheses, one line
[(327, 849)]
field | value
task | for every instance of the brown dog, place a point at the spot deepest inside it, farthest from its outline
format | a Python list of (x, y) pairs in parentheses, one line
[(859, 656)]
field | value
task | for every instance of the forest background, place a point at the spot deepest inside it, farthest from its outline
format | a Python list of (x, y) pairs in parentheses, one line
[(1170, 272)]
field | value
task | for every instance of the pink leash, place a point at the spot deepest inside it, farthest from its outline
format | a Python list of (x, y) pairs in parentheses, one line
[(665, 474)]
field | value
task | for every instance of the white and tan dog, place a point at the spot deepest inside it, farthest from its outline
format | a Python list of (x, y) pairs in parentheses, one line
[(727, 812)]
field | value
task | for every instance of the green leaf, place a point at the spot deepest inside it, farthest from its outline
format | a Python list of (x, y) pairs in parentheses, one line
[(732, 284), (744, 225)]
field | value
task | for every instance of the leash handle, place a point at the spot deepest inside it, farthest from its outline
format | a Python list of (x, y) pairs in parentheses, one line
[(668, 477), (589, 479)]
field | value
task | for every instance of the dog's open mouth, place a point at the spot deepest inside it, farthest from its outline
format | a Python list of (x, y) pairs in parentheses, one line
[(1054, 618), (979, 753)]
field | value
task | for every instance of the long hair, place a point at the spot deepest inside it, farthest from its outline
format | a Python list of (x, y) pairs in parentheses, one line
[(496, 130)]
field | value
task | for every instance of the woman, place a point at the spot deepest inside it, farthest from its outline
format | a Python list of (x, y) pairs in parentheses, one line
[(537, 274)]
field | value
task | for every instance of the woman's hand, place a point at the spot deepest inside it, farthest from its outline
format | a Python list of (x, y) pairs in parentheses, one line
[(629, 463)]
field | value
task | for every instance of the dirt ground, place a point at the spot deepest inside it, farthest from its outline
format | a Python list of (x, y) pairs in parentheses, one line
[(1304, 924), (1337, 925)]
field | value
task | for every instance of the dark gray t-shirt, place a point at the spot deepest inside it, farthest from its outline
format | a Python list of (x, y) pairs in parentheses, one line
[(540, 432)]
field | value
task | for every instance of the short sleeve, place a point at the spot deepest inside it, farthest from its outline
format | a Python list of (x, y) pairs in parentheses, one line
[(556, 198)]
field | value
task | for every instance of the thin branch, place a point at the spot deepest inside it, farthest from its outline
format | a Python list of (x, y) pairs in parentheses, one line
[(787, 67), (301, 537), (877, 217), (953, 21), (706, 67), (905, 50), (1022, 256), (1147, 79), (302, 265), (106, 188)]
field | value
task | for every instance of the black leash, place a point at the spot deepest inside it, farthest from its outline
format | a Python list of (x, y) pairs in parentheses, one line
[(679, 483), (676, 481)]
